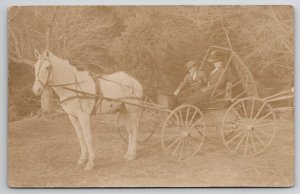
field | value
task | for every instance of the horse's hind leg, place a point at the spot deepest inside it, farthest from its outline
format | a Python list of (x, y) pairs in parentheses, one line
[(131, 126), (123, 123), (84, 120), (127, 123), (83, 156), (135, 127)]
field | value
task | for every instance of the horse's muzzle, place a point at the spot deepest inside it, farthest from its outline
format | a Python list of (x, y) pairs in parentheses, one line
[(37, 89)]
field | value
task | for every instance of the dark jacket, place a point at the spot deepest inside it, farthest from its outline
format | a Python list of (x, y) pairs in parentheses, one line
[(199, 81), (213, 79)]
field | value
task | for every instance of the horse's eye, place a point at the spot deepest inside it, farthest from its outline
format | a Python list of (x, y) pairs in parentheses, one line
[(48, 67)]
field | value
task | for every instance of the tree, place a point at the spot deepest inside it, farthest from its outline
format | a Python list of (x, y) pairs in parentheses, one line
[(78, 34)]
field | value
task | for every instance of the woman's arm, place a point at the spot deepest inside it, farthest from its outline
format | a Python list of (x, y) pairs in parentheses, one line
[(181, 85)]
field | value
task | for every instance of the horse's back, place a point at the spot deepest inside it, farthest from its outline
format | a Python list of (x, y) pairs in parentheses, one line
[(120, 85)]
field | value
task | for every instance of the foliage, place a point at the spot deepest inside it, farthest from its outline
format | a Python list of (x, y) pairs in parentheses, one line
[(154, 42), (158, 41), (22, 101)]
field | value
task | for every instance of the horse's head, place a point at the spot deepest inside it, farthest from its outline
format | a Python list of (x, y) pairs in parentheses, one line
[(43, 72)]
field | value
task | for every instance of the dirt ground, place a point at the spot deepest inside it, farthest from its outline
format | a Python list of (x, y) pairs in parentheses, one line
[(44, 154)]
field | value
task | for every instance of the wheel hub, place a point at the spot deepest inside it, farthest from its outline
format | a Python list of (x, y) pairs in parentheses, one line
[(185, 133), (250, 127)]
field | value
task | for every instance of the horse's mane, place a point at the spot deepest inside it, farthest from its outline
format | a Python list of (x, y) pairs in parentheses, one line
[(65, 63)]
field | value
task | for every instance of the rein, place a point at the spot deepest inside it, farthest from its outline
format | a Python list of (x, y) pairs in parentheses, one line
[(47, 83), (97, 96)]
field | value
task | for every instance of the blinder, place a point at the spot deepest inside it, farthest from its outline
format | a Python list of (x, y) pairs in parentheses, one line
[(49, 69)]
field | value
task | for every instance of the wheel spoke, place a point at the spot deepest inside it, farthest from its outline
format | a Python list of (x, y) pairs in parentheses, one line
[(174, 136), (237, 114), (187, 116), (174, 120), (253, 144), (174, 142), (190, 121), (258, 112), (236, 136), (189, 141), (264, 132), (198, 131), (259, 139), (181, 149), (252, 107), (177, 146), (181, 120), (196, 123), (245, 112), (230, 124), (263, 118), (233, 130), (246, 146), (263, 125), (241, 140)]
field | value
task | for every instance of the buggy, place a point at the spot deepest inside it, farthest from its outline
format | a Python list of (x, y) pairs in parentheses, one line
[(247, 122)]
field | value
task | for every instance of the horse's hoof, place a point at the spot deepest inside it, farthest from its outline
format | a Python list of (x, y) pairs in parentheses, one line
[(126, 156), (89, 166), (131, 156), (81, 161)]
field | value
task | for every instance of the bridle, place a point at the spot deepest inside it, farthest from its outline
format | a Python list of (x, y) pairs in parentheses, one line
[(49, 69)]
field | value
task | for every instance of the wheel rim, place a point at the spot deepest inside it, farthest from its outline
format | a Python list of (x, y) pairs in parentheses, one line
[(248, 126), (183, 132)]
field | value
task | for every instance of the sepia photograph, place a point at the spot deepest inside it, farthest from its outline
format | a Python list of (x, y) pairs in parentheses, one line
[(151, 96)]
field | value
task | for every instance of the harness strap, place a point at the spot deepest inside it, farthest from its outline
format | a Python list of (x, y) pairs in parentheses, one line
[(75, 97), (98, 95), (78, 86)]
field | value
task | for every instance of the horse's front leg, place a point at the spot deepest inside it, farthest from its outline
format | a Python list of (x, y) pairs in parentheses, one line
[(84, 120), (83, 156), (127, 154)]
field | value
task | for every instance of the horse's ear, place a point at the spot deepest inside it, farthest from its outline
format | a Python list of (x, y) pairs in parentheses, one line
[(37, 53)]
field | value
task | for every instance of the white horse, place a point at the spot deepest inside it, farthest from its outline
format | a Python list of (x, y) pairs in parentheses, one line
[(80, 96)]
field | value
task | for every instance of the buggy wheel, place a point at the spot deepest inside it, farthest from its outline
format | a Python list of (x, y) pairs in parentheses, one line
[(248, 126), (149, 121), (183, 132)]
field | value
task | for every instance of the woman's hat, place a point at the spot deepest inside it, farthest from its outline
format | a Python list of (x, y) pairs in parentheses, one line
[(215, 56)]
